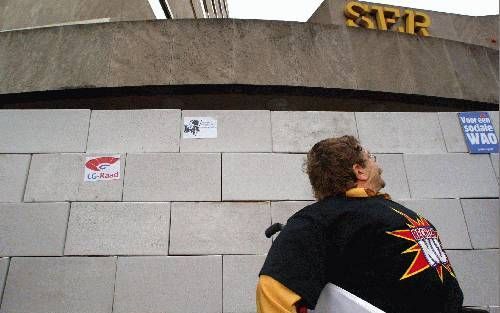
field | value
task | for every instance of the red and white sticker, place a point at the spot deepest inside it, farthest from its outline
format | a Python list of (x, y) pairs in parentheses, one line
[(102, 168)]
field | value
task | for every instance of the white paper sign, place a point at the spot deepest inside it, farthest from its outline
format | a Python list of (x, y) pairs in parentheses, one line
[(200, 127), (102, 168)]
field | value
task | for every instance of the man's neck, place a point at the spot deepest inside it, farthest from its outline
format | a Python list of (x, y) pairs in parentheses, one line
[(366, 185)]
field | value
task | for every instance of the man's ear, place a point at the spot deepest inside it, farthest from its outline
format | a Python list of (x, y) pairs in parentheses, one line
[(360, 172)]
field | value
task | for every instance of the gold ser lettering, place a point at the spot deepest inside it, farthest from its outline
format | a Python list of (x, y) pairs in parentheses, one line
[(386, 18)]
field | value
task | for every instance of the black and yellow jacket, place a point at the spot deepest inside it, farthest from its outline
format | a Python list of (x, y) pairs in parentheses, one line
[(365, 243)]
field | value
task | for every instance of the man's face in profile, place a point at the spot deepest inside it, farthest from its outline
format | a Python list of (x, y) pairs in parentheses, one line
[(374, 172)]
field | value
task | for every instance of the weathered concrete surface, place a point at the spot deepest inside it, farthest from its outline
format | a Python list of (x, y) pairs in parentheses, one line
[(199, 228), (477, 273), (495, 160), (239, 278), (118, 228), (59, 285), (13, 175), (47, 182), (452, 133), (4, 266), (394, 175), (299, 131), (237, 131), (466, 176), (482, 222), (478, 30), (173, 177), (264, 176), (16, 14), (392, 133), (168, 284), (43, 131), (33, 229), (136, 131), (247, 52)]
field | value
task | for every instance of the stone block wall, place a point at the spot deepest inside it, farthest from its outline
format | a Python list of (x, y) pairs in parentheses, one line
[(183, 228)]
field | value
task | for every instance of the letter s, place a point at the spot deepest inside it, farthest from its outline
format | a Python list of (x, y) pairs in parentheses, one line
[(355, 13)]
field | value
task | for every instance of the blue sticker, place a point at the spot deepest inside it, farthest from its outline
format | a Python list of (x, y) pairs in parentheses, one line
[(479, 132)]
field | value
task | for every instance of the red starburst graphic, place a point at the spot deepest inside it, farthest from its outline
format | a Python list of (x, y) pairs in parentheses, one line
[(427, 247)]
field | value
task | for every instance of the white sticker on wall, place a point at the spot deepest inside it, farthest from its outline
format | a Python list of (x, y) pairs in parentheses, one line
[(200, 127), (102, 168)]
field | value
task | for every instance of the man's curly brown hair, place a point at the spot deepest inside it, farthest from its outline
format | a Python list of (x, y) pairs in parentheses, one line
[(329, 165)]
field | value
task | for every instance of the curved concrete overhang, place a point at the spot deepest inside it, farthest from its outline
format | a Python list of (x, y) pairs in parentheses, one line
[(244, 52)]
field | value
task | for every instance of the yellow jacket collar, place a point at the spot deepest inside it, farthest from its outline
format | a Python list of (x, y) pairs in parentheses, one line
[(364, 193)]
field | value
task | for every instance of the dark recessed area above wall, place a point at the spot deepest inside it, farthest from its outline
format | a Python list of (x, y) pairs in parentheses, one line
[(239, 97)]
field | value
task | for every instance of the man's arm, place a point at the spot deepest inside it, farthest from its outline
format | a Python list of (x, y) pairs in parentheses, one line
[(273, 297)]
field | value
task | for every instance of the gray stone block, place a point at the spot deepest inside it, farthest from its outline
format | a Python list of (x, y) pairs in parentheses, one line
[(118, 229), (299, 131), (494, 116), (259, 176), (456, 175), (477, 273), (134, 131), (39, 131), (77, 284), (173, 177), (447, 216), (33, 229), (452, 132), (13, 176), (237, 131), (219, 228), (59, 177), (240, 276), (495, 160), (168, 284), (482, 221), (400, 132), (4, 266), (394, 175), (281, 211)]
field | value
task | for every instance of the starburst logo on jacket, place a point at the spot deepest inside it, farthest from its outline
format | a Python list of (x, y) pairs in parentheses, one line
[(429, 253)]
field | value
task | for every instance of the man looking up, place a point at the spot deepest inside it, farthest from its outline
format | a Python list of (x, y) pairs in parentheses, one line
[(357, 239)]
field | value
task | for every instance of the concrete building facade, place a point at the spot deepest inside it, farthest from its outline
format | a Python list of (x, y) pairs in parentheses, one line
[(181, 229), (21, 14)]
